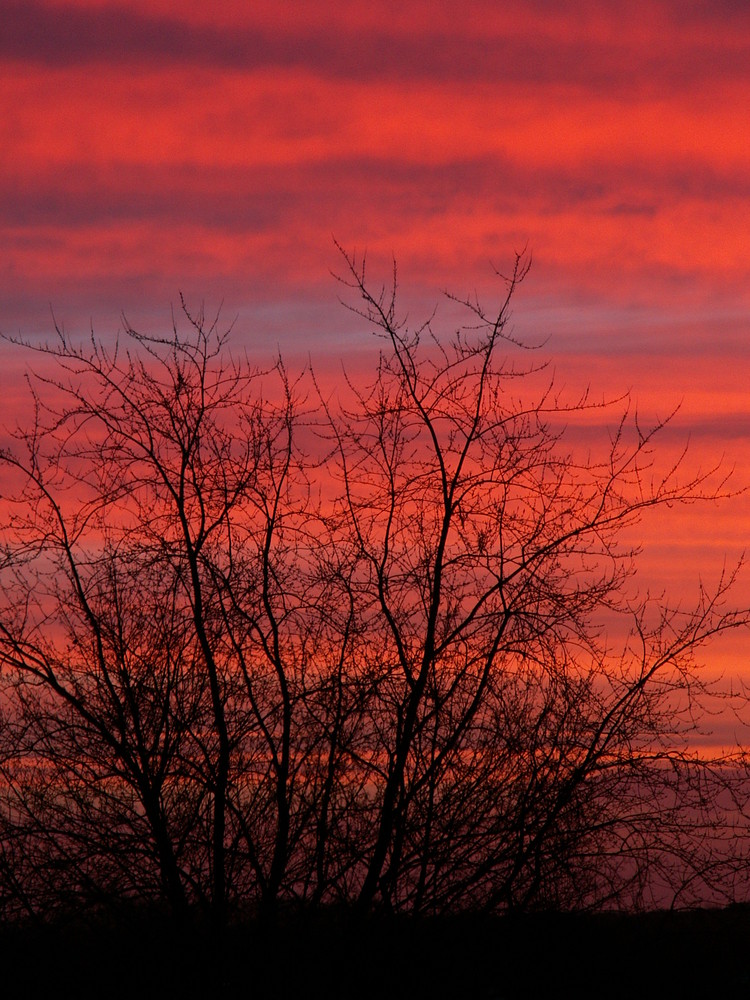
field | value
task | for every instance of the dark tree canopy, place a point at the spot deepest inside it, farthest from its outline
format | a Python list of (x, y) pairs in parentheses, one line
[(262, 645)]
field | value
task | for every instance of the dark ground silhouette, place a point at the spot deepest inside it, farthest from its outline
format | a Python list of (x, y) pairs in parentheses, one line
[(136, 954)]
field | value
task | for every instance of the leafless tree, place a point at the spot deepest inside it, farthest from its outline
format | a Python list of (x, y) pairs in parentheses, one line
[(147, 483), (505, 724), (403, 665)]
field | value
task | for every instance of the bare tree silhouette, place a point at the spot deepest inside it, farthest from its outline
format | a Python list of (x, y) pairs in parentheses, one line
[(402, 666), (516, 755)]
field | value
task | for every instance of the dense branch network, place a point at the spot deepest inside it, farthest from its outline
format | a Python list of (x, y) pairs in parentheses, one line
[(380, 649)]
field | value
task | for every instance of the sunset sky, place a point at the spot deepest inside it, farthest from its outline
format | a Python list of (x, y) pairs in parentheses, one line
[(150, 148)]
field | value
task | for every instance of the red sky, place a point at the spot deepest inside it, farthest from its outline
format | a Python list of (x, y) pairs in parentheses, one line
[(216, 151)]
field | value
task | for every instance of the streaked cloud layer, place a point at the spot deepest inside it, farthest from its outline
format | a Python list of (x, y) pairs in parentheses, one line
[(601, 139), (216, 151)]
